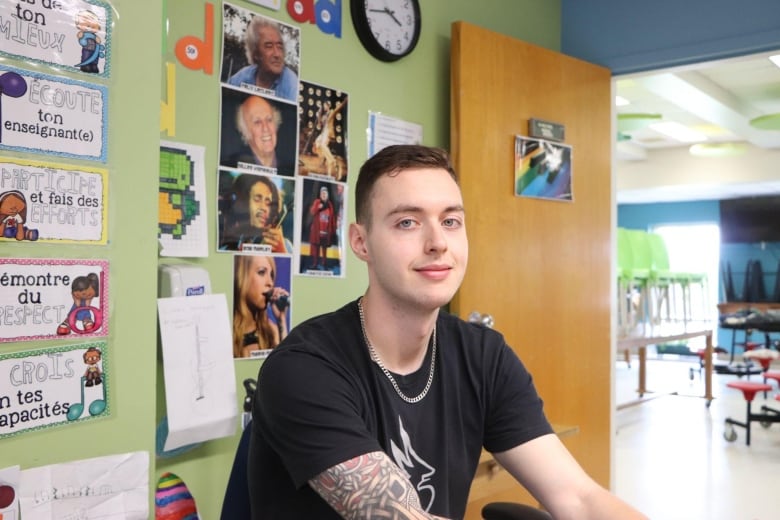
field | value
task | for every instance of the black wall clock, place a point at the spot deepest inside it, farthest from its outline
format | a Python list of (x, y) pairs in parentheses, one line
[(388, 29)]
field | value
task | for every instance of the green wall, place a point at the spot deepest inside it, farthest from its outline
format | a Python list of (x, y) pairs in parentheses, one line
[(415, 89)]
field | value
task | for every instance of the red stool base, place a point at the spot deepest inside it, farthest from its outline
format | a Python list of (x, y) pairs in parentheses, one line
[(749, 390)]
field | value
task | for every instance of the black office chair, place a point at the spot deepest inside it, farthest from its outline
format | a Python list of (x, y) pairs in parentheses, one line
[(236, 502), (513, 511)]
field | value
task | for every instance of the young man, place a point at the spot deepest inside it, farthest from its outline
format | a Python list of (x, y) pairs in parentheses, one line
[(381, 408)]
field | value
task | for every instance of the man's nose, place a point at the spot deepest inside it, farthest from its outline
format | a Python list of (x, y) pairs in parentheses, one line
[(435, 239)]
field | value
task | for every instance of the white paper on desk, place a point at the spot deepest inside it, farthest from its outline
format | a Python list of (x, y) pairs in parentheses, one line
[(115, 487), (9, 503), (200, 379)]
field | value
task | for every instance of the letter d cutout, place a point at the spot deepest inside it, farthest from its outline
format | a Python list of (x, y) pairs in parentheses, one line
[(194, 53)]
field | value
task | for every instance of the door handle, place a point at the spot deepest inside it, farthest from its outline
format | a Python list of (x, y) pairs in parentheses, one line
[(485, 320)]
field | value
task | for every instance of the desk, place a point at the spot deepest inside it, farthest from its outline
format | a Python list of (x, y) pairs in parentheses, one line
[(657, 336), (732, 307)]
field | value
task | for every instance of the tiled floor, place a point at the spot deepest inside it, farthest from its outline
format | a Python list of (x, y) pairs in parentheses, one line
[(671, 459)]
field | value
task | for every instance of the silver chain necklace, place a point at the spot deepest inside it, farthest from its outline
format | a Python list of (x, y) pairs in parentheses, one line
[(375, 359)]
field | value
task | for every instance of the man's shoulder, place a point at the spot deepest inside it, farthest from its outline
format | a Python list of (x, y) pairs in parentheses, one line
[(287, 86), (322, 331), (244, 75)]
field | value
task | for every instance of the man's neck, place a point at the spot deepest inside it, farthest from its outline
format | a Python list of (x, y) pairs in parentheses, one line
[(265, 79), (267, 160), (400, 336)]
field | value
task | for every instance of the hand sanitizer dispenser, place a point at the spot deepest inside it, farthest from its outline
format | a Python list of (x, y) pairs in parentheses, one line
[(183, 280)]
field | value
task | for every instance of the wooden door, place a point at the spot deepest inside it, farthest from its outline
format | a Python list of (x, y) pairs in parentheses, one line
[(540, 267)]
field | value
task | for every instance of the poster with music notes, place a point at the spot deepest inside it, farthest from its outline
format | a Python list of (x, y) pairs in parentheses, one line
[(49, 387)]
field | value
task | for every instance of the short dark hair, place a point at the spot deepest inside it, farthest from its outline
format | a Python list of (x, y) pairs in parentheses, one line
[(390, 161)]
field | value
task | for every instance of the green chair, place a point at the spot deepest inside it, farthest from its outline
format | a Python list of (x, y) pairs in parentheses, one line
[(666, 279), (632, 282)]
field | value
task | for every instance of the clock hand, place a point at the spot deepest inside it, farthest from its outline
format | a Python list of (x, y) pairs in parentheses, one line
[(388, 12), (392, 15)]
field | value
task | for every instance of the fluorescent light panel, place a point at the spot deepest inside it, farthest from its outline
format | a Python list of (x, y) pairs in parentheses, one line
[(775, 59), (678, 132), (621, 101)]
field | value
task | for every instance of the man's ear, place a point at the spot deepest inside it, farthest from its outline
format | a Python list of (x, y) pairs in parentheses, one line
[(357, 241)]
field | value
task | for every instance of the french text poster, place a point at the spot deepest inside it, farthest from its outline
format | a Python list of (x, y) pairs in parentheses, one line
[(74, 35), (183, 228), (49, 202), (52, 115), (42, 388), (49, 298)]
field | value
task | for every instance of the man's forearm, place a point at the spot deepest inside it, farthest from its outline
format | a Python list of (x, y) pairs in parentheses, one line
[(369, 486)]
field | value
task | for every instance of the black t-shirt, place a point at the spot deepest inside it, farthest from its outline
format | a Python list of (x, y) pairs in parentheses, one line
[(321, 401)]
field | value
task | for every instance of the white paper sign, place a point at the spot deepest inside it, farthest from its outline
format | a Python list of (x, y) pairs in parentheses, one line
[(52, 115), (200, 380), (115, 487), (384, 131)]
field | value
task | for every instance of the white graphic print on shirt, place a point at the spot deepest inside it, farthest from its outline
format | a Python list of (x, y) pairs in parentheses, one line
[(405, 457)]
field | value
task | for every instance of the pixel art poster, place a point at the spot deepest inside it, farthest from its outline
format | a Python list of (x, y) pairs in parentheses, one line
[(183, 229)]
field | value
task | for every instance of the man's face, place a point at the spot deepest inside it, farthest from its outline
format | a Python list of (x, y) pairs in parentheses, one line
[(261, 125), (270, 51), (416, 249), (324, 195), (260, 204)]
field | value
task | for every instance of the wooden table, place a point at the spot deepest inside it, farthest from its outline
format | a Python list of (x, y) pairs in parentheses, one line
[(657, 336)]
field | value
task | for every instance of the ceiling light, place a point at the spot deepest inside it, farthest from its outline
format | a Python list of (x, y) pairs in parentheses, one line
[(775, 59), (717, 149), (678, 132), (767, 122), (621, 101), (632, 122)]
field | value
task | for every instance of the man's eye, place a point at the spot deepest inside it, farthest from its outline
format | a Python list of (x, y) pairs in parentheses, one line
[(451, 222), (406, 223)]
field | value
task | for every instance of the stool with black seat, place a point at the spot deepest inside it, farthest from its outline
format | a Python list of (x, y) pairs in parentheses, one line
[(749, 390)]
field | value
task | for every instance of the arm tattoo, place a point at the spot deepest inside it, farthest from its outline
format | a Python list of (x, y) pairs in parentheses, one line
[(369, 486)]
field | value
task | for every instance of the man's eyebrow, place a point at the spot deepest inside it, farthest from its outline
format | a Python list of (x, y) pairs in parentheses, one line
[(408, 208)]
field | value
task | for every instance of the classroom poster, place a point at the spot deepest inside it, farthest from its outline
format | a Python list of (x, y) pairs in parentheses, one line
[(51, 298), (74, 35), (322, 229), (50, 202), (48, 387), (183, 228), (255, 213), (52, 115), (543, 169), (323, 146)]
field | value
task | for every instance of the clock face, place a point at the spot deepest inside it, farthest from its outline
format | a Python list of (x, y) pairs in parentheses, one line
[(389, 29)]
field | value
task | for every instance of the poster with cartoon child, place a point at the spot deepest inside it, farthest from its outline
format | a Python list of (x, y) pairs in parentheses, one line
[(50, 202), (72, 34), (51, 298), (76, 387)]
